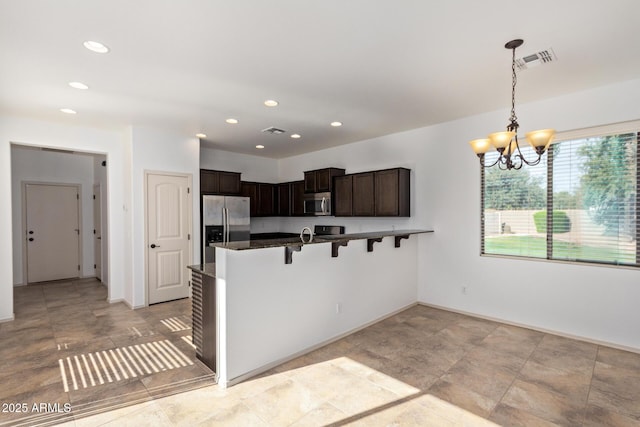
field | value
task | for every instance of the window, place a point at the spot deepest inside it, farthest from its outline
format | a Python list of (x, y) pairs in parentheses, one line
[(579, 204)]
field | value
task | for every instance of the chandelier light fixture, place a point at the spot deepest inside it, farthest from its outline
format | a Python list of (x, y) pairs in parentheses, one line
[(506, 143)]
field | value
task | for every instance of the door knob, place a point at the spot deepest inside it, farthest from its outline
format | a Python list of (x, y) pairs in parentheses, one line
[(153, 246), (30, 231), (31, 239)]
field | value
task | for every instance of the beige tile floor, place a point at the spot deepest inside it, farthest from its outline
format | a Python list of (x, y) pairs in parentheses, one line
[(70, 325), (422, 367)]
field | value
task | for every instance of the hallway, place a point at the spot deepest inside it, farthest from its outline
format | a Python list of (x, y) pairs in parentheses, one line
[(68, 345)]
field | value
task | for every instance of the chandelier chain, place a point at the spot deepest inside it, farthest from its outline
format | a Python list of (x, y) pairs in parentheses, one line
[(506, 143), (514, 80)]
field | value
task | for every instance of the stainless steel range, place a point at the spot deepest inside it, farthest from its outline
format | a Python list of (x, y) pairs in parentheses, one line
[(327, 230)]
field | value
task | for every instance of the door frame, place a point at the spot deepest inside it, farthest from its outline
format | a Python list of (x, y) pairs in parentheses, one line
[(100, 220), (146, 224), (25, 260)]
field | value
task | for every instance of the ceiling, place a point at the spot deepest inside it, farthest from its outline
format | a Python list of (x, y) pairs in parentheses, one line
[(379, 67)]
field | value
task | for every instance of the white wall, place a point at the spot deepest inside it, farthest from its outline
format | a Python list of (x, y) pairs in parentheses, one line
[(253, 168), (29, 165), (155, 150), (597, 303), (67, 137), (275, 310)]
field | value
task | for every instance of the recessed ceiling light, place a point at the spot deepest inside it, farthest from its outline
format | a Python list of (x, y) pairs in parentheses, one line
[(78, 85), (232, 121), (295, 136), (201, 135), (68, 111), (336, 124), (270, 103), (259, 147), (96, 46)]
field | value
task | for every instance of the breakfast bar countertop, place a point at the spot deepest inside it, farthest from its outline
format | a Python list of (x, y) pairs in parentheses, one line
[(296, 241)]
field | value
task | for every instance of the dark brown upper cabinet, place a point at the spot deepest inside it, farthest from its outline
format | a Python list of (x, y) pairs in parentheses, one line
[(250, 190), (266, 199), (343, 195), (376, 193), (297, 198), (363, 194), (262, 197), (290, 199), (321, 180), (219, 182), (392, 188), (284, 199)]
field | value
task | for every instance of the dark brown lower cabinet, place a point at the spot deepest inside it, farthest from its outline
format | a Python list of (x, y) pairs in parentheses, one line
[(204, 318)]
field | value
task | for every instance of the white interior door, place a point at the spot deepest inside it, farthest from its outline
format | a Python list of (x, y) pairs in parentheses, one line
[(168, 239), (97, 231), (53, 232)]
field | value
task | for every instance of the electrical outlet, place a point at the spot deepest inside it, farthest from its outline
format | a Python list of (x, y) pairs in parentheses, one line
[(338, 308)]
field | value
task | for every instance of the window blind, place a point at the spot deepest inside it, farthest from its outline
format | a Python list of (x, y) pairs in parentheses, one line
[(594, 197), (578, 204), (511, 199)]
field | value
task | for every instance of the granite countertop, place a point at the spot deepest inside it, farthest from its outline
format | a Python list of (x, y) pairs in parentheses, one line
[(295, 241), (208, 269)]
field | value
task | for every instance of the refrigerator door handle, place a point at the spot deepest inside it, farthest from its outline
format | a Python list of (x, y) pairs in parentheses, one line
[(226, 225)]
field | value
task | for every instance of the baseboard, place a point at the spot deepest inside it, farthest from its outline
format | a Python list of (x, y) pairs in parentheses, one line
[(132, 307), (534, 328), (17, 285), (8, 319), (307, 350)]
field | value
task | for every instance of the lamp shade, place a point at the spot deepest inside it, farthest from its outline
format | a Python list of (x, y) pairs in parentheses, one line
[(510, 148), (501, 139), (540, 138), (480, 146)]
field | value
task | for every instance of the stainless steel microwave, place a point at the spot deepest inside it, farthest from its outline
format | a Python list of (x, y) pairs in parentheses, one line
[(318, 204)]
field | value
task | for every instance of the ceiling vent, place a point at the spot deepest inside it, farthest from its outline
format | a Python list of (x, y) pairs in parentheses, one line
[(539, 58), (273, 130)]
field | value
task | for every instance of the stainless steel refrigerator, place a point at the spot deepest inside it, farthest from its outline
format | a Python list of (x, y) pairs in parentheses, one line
[(224, 219)]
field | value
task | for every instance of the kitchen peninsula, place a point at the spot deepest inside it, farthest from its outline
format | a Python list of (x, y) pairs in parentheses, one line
[(275, 299)]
